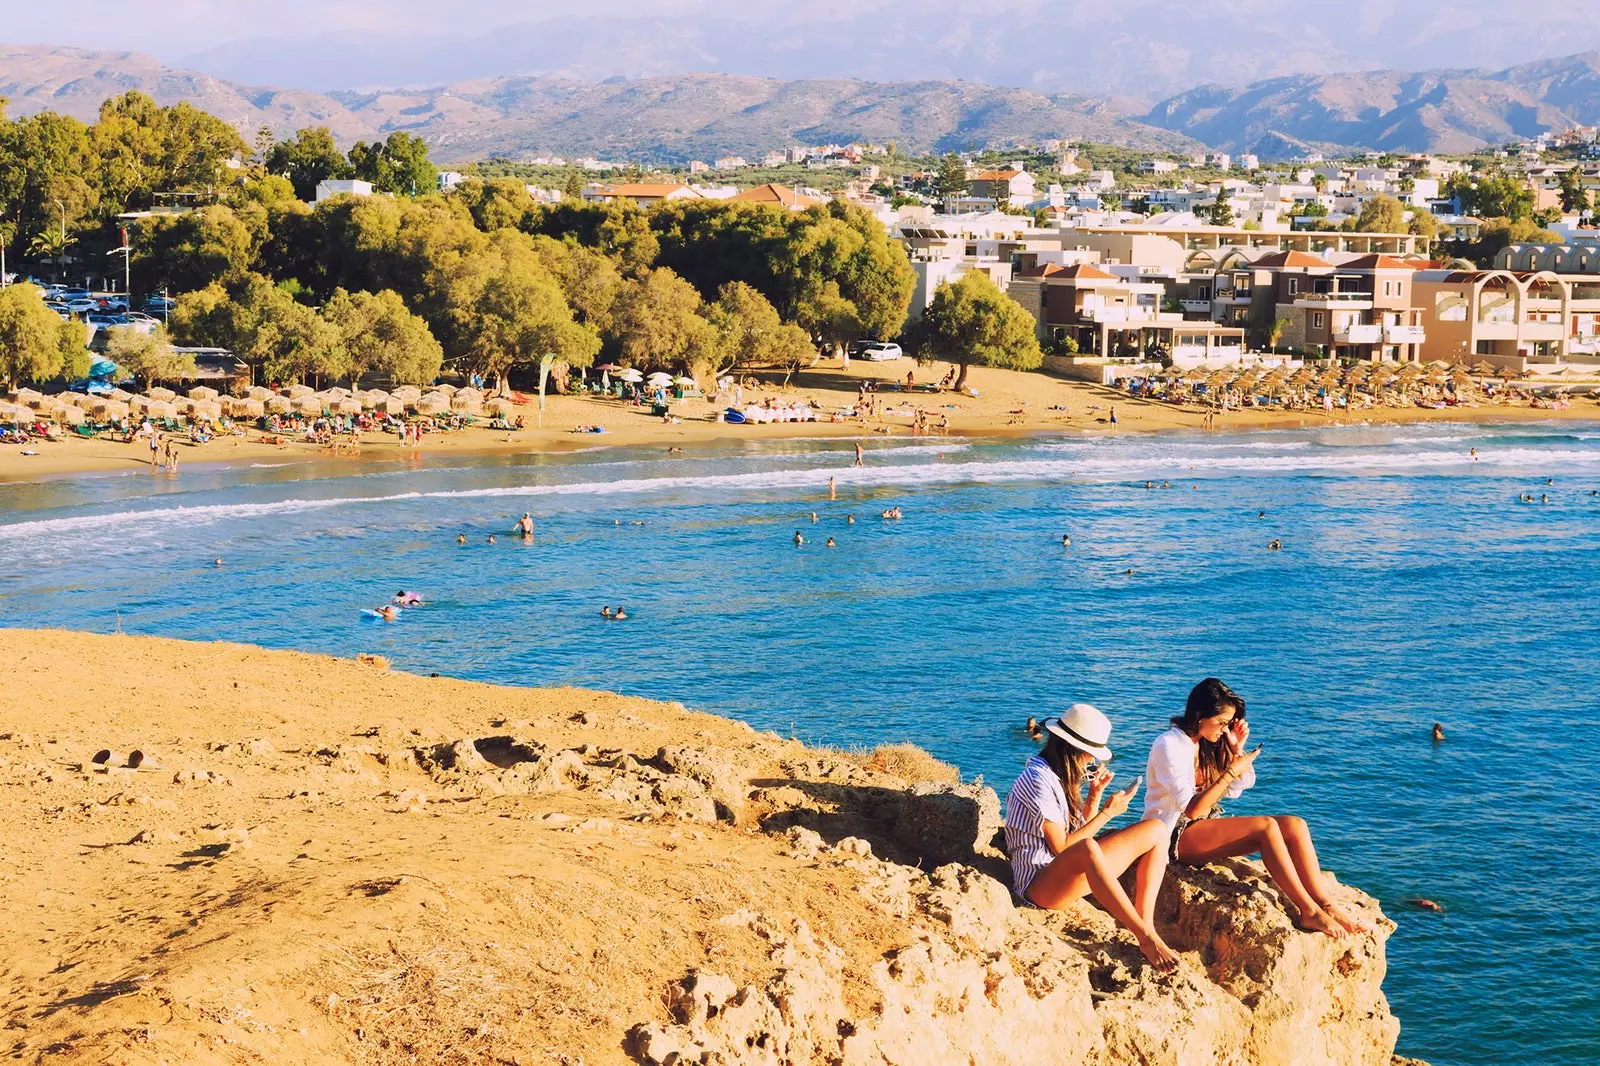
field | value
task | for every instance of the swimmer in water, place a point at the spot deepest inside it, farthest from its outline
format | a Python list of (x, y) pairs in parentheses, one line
[(1129, 571), (1066, 540), (461, 538), (1034, 730), (1166, 484), (605, 612), (491, 538), (813, 518), (525, 525), (849, 519), (620, 615), (389, 611), (831, 544), (407, 599), (674, 451), (1472, 452), (1149, 484), (798, 539), (217, 563), (1426, 904), (1274, 545), (1544, 497), (1438, 732), (1263, 514), (859, 454)]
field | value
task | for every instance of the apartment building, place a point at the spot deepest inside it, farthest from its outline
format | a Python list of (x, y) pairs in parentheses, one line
[(1526, 321)]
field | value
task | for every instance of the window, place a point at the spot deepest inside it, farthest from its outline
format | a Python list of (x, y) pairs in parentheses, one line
[(1484, 348), (1294, 286), (1316, 320)]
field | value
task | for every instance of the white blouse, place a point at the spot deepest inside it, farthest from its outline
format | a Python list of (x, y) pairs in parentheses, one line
[(1036, 798), (1170, 777)]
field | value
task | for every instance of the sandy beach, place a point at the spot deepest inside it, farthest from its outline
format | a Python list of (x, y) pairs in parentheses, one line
[(1008, 402), (321, 860)]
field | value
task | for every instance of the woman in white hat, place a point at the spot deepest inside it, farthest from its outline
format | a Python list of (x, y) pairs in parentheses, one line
[(1052, 827)]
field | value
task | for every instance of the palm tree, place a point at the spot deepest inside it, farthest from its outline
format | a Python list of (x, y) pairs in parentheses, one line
[(51, 243)]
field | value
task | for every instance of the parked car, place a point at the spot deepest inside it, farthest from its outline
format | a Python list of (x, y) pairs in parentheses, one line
[(880, 351), (114, 303), (103, 319), (136, 317), (82, 305), (159, 303)]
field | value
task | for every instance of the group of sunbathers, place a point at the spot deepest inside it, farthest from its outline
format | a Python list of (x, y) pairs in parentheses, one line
[(1060, 804)]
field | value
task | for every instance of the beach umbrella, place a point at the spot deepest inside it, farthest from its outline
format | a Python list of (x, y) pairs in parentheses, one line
[(374, 399), (306, 405), (294, 392), (337, 392), (71, 416), (109, 410), (466, 404), (259, 392), (1196, 374), (183, 405), (12, 413), (202, 392), (686, 382), (434, 403), (120, 395), (629, 374), (206, 409), (166, 395), (406, 393), (1505, 373), (160, 409), (445, 390), (608, 366), (279, 405), (246, 407), (500, 407), (346, 405), (1483, 369)]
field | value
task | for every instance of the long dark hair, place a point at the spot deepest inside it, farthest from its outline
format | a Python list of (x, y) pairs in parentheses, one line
[(1058, 754), (1207, 700)]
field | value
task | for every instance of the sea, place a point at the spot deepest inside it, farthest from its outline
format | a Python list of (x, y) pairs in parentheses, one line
[(1412, 585)]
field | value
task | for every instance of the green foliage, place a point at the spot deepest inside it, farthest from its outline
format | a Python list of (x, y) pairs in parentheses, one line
[(148, 356), (750, 333), (1381, 214), (1496, 233), (972, 321), (380, 336), (1574, 197), (35, 344), (141, 148), (190, 251), (658, 322), (952, 179), (1221, 212), (397, 165), (498, 203), (263, 325), (1494, 196), (309, 158)]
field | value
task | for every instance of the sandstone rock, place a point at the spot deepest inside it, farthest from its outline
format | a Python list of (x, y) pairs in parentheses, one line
[(976, 907), (716, 770), (949, 823)]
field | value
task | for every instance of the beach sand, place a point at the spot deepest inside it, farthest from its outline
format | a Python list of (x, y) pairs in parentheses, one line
[(1009, 402), (324, 861)]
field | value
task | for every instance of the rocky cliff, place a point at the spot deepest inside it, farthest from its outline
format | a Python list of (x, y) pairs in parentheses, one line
[(317, 860)]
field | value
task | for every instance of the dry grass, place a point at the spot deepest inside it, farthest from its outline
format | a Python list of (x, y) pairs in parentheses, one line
[(909, 763), (377, 662)]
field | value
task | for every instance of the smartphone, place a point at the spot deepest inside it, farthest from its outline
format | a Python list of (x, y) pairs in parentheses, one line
[(1131, 789), (1259, 747)]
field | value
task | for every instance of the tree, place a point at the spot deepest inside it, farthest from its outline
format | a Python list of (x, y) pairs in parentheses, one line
[(310, 158), (1381, 214), (1422, 223), (190, 251), (1574, 197), (51, 243), (379, 335), (972, 321), (399, 164), (1276, 331), (262, 324), (952, 178), (1500, 197), (572, 188), (1221, 213), (750, 333), (657, 322), (148, 356), (35, 343)]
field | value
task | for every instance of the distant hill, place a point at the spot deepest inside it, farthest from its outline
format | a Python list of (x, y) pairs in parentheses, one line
[(670, 119), (1388, 110)]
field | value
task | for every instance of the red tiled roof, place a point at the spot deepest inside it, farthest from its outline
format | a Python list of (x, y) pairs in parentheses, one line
[(1378, 262), (1079, 271), (996, 175), (1291, 259), (772, 193)]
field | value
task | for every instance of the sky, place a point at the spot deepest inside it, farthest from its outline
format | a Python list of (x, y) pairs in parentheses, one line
[(1137, 49)]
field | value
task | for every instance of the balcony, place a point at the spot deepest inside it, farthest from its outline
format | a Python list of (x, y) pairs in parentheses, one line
[(1195, 307), (1404, 335), (1356, 334), (1349, 300)]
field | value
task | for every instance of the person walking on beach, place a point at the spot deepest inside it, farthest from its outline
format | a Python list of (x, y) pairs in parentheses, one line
[(155, 448), (859, 453), (833, 493), (1197, 763), (1052, 829)]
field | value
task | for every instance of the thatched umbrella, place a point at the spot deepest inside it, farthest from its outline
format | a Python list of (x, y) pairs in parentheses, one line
[(1505, 373), (406, 393), (1483, 369), (71, 416), (120, 395), (306, 405), (466, 404), (346, 405), (259, 392), (109, 410), (434, 403), (448, 390), (294, 392), (246, 407), (202, 392), (158, 393), (279, 405), (337, 392), (206, 409), (499, 407), (160, 409), (1171, 373), (374, 399), (1196, 374), (11, 413), (183, 405)]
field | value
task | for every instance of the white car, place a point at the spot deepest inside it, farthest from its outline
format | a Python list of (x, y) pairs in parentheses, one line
[(880, 351), (83, 306)]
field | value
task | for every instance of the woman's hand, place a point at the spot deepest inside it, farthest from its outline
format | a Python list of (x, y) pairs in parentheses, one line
[(1099, 781), (1118, 802), (1237, 734), (1241, 762)]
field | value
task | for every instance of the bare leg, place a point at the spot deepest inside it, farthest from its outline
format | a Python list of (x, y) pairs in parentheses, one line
[(1297, 837), (1147, 878), (1218, 838), (1094, 866)]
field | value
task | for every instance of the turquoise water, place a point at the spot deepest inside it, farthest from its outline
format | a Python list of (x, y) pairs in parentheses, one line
[(1412, 587)]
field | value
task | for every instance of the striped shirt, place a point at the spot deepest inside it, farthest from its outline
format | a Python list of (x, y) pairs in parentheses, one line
[(1036, 798)]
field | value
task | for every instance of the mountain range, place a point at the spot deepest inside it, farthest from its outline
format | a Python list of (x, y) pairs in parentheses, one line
[(672, 118)]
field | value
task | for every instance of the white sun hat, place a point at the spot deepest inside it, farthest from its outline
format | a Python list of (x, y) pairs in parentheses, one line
[(1084, 728)]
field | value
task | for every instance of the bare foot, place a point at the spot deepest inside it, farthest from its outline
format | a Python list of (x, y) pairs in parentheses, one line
[(1333, 911), (1163, 958), (1320, 922)]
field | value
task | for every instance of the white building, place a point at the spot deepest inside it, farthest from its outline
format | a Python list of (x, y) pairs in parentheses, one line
[(342, 187), (449, 179)]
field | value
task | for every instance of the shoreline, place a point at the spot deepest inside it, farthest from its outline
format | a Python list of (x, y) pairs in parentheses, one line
[(1010, 404)]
